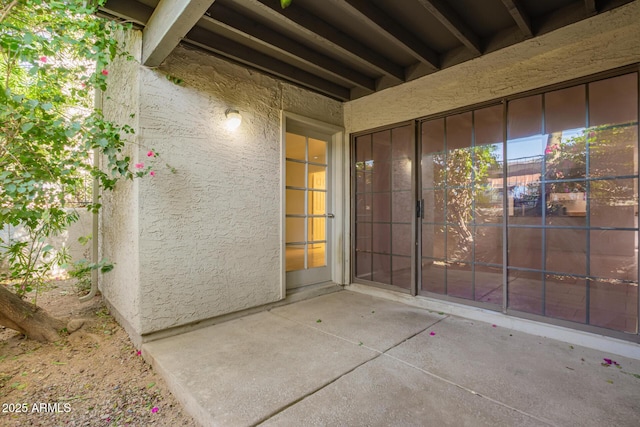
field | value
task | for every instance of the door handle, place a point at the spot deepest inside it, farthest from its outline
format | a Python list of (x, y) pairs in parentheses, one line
[(330, 215)]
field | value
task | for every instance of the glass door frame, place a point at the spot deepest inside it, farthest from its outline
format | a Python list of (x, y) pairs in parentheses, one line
[(338, 167)]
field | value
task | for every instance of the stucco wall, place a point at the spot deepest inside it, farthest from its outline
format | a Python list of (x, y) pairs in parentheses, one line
[(207, 239), (603, 42), (119, 216)]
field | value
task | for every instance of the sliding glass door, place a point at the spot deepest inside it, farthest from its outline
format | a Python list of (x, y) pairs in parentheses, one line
[(528, 206)]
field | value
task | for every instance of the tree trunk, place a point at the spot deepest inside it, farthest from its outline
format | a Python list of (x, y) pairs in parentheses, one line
[(27, 318)]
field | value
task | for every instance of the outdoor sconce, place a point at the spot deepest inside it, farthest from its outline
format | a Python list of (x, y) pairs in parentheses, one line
[(233, 119)]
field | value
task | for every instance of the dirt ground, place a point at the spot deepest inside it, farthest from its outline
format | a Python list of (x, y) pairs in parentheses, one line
[(92, 377)]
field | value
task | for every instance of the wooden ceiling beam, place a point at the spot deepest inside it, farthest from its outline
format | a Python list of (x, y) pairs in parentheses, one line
[(368, 12), (452, 22), (247, 28), (320, 32), (520, 16), (240, 53), (171, 20)]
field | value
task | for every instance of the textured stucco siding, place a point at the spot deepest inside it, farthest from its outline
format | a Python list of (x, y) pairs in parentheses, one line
[(208, 240), (603, 42), (119, 215)]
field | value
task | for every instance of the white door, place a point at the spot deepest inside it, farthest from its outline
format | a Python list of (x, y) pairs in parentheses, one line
[(308, 215)]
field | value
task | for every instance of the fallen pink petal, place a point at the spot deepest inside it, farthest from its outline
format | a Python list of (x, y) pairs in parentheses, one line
[(138, 353), (43, 59), (154, 409), (607, 361), (139, 165), (150, 153), (105, 72), (432, 333), (494, 326), (152, 173)]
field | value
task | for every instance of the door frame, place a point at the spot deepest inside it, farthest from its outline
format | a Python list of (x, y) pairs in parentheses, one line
[(337, 241)]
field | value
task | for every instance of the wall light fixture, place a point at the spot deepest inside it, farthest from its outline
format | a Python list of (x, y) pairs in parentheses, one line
[(233, 119)]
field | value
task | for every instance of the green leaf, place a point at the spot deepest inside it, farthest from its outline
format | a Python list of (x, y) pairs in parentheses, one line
[(285, 3), (26, 127)]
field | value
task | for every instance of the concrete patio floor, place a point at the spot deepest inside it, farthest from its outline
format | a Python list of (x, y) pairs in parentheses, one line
[(349, 359)]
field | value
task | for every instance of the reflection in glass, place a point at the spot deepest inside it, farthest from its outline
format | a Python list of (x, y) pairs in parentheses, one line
[(433, 205), (525, 291), (613, 254), (525, 247), (363, 236), (488, 245), (401, 239), (566, 251), (614, 100), (612, 150), (488, 284), (459, 130), (401, 147), (432, 136), (401, 174), (488, 125), (565, 297), (433, 241), (401, 206), (459, 242), (433, 275), (401, 271), (460, 280), (363, 265), (382, 207), (614, 305), (614, 203), (381, 268), (381, 238), (433, 170)]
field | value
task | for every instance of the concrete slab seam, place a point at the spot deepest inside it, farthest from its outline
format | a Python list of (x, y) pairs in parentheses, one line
[(460, 386)]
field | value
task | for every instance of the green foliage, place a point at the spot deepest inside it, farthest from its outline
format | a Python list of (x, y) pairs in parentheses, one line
[(53, 55), (285, 3)]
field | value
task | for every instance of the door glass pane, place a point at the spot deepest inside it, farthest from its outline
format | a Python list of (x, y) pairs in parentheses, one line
[(614, 100), (524, 117), (317, 151), (294, 257), (296, 146), (433, 275), (460, 280), (295, 174), (317, 229), (295, 202), (613, 151), (317, 177), (614, 305), (459, 131), (295, 230), (317, 203), (488, 284), (566, 251), (317, 255), (487, 125), (401, 272)]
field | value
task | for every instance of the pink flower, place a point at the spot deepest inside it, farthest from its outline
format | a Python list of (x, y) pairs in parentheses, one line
[(432, 333), (43, 59), (138, 353), (84, 84), (105, 72), (493, 326), (548, 150), (150, 153), (139, 165), (152, 173), (154, 409)]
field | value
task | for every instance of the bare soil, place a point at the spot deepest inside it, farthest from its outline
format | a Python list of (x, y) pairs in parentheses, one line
[(92, 377)]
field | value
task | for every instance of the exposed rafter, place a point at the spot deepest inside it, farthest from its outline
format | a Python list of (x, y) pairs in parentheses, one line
[(368, 11), (245, 55), (171, 20), (239, 24), (450, 20), (323, 32), (520, 16)]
